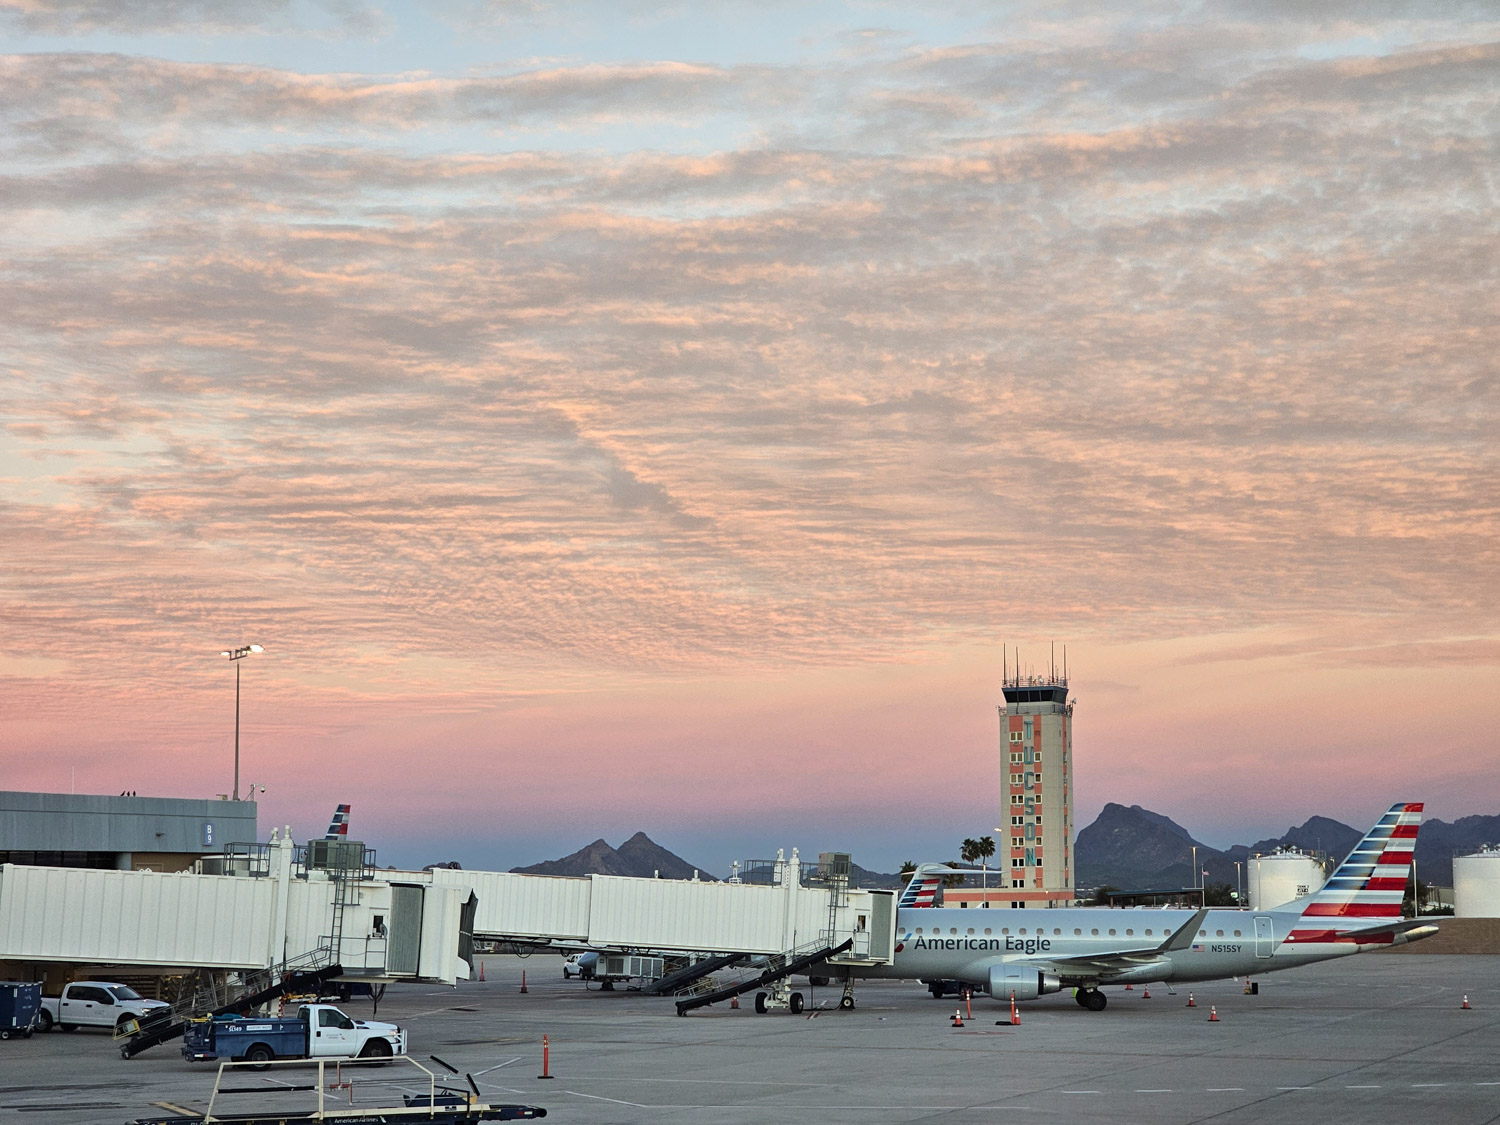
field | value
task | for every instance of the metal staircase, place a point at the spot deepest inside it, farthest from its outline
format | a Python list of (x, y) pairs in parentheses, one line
[(777, 967), (694, 974)]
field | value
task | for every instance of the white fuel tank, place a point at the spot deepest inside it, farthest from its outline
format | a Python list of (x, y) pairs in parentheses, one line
[(1278, 878), (1476, 884)]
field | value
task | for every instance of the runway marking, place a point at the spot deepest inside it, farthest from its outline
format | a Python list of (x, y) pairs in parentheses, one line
[(1079, 1091), (1294, 1087), (1153, 1091), (597, 1098), (1426, 1085), (1225, 1090), (1361, 1087)]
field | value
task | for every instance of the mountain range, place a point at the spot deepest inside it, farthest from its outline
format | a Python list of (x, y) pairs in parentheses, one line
[(1127, 846), (640, 857), (1135, 848)]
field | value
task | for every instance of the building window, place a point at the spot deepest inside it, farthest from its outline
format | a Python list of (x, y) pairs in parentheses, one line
[(1018, 882), (1017, 798), (1015, 736), (1014, 905)]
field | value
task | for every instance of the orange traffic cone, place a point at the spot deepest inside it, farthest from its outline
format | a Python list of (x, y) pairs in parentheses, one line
[(1015, 1016), (1213, 1014), (1465, 1004), (1146, 995), (958, 1018), (1191, 1002), (1129, 988)]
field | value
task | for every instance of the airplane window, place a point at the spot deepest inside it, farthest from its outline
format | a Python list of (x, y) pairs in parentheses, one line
[(953, 929), (1218, 933), (971, 929), (1111, 932), (1077, 932), (987, 930), (1023, 931), (1094, 933), (919, 929), (1236, 933), (1130, 933), (1057, 932), (1005, 929), (1202, 933)]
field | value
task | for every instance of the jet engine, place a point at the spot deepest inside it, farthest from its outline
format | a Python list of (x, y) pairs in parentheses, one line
[(1026, 981)]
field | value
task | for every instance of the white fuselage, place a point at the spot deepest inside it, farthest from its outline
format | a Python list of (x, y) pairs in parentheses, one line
[(957, 944)]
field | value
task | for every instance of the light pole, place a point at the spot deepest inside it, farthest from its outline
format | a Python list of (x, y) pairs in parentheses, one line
[(237, 655)]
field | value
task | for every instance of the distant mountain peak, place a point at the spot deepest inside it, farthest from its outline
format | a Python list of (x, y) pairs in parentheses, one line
[(638, 857)]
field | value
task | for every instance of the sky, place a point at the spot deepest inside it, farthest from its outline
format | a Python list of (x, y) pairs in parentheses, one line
[(620, 416)]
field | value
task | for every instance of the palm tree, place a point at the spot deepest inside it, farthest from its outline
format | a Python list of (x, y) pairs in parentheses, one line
[(985, 847)]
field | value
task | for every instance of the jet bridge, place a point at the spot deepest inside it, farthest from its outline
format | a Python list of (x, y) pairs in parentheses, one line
[(797, 908)]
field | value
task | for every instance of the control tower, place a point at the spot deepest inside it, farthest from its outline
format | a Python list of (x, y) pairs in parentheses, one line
[(1036, 771)]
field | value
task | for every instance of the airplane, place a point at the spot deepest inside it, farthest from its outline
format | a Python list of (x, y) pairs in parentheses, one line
[(1027, 953)]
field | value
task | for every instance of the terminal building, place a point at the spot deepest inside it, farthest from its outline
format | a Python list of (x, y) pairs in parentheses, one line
[(1033, 863), (124, 833)]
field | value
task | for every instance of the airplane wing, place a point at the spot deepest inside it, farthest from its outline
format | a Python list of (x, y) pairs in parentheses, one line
[(1111, 963)]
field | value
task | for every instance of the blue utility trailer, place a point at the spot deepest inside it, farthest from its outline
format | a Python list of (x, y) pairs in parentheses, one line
[(19, 1002)]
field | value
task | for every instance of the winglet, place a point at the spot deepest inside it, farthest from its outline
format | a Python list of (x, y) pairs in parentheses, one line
[(1182, 937)]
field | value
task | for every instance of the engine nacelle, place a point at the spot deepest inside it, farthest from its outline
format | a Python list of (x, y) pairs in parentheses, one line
[(1025, 981)]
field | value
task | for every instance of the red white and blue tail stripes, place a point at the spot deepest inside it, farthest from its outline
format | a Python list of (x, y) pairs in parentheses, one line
[(338, 827), (1367, 888), (923, 888)]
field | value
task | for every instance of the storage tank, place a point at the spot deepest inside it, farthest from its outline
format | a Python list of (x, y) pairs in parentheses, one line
[(1283, 875), (1476, 884)]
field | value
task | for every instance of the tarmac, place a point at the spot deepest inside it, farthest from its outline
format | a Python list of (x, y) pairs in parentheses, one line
[(1366, 1039)]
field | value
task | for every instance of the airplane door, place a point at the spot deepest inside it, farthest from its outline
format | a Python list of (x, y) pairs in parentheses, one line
[(1265, 936)]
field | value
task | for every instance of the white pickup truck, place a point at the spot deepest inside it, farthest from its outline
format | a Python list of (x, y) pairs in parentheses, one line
[(95, 1003), (317, 1031)]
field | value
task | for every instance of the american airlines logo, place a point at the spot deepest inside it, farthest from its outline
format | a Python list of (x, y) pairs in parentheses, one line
[(1010, 944)]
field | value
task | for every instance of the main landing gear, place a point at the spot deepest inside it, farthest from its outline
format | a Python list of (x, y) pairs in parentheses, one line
[(1091, 998)]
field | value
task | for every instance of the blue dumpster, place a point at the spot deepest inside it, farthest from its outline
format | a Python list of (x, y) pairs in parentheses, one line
[(19, 1001)]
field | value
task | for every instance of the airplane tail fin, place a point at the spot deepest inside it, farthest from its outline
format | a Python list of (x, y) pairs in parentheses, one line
[(923, 888), (1367, 888), (338, 827)]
